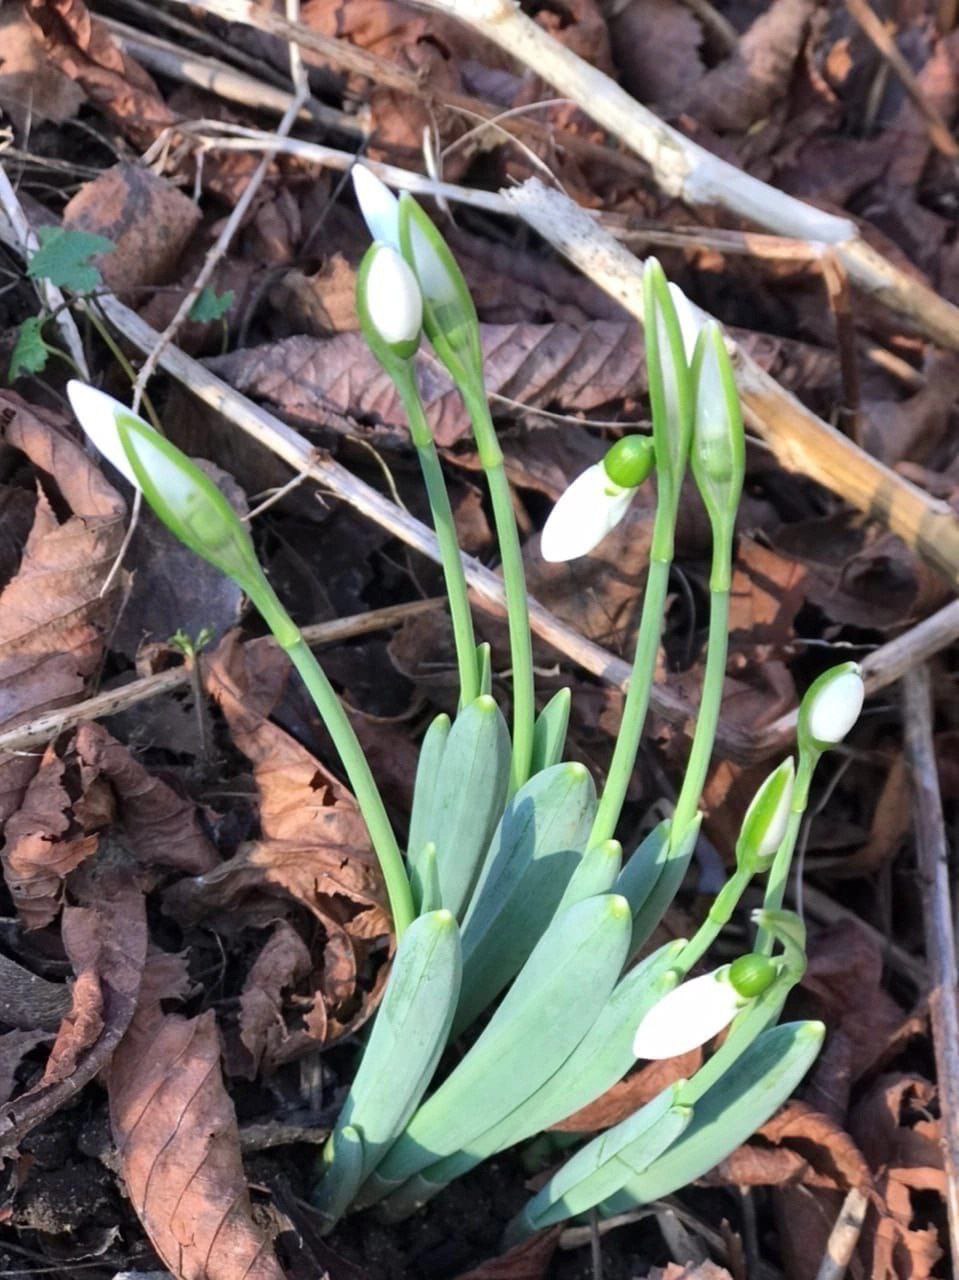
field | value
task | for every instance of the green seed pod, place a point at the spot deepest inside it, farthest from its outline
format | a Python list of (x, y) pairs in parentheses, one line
[(751, 974), (630, 460)]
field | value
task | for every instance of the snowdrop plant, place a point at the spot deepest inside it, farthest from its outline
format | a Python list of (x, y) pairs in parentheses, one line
[(522, 931)]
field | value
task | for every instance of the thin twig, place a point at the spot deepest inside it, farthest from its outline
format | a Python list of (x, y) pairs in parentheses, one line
[(932, 857), (940, 134), (223, 241), (38, 731), (53, 299), (837, 290), (844, 1236)]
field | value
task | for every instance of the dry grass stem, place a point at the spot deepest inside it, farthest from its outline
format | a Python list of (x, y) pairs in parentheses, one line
[(932, 858)]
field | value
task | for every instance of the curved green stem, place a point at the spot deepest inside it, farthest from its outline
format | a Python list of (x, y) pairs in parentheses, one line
[(636, 706), (514, 582), (445, 527), (350, 752), (720, 913), (779, 871)]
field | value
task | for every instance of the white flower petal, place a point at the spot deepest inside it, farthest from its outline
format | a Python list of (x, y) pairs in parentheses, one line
[(689, 317), (836, 708), (378, 205), (96, 413), (435, 280), (393, 297), (687, 1017), (591, 506), (776, 825)]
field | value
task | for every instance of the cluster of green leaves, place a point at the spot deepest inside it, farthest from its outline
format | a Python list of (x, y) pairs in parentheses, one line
[(65, 258)]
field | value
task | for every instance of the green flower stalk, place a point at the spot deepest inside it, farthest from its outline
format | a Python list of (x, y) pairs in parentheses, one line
[(451, 324), (671, 391), (390, 308), (197, 513)]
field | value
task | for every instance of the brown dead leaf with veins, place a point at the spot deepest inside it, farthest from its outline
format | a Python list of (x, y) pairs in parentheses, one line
[(178, 1141), (83, 48), (53, 618), (105, 937), (321, 381), (83, 787), (284, 962), (622, 1099), (314, 849)]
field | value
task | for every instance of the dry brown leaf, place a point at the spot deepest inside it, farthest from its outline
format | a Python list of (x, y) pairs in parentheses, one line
[(148, 219), (14, 1046), (83, 48), (844, 975), (632, 1093), (53, 619), (284, 962), (526, 1261), (177, 1137), (106, 940), (691, 1271), (31, 86), (314, 848), (738, 93), (804, 1147), (81, 788), (319, 382), (656, 45)]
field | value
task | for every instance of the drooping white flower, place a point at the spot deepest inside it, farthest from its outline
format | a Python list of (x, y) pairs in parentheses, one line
[(378, 205), (394, 303), (835, 707), (587, 511), (96, 413), (687, 1017)]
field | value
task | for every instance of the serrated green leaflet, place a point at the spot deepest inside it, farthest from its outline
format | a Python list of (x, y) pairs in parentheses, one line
[(467, 799), (424, 787), (549, 733), (534, 851), (64, 258), (601, 1058), (604, 1165), (736, 1106), (30, 352), (408, 1037), (548, 1010)]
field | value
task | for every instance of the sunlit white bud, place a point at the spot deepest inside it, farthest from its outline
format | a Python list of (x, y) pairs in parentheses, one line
[(767, 817), (689, 322), (835, 707), (688, 1016), (393, 299), (378, 205), (96, 413), (591, 506)]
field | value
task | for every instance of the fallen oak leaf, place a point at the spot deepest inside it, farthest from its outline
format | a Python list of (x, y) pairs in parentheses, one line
[(178, 1141), (83, 48), (284, 961), (53, 615), (106, 938)]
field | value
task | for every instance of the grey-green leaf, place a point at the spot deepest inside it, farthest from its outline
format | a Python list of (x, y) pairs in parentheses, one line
[(548, 1010), (534, 852), (549, 733), (408, 1037), (673, 865), (728, 1113), (427, 771)]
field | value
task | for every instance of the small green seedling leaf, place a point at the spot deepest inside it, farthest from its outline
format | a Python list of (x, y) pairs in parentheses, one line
[(342, 1161), (64, 258), (30, 353), (211, 305), (427, 771)]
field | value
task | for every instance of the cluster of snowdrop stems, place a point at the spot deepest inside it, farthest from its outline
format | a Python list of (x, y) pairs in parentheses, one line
[(513, 894)]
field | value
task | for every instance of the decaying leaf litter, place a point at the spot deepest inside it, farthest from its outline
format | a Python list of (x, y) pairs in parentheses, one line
[(189, 882)]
